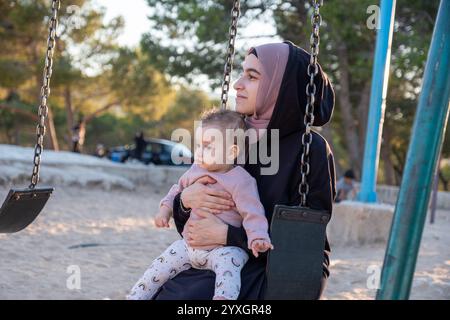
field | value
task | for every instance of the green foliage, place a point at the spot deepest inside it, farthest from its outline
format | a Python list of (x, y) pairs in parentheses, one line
[(188, 39), (91, 73), (13, 73), (198, 32), (112, 131), (182, 113), (136, 83)]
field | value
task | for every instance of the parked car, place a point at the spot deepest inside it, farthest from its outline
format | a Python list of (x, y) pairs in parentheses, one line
[(119, 154), (157, 151)]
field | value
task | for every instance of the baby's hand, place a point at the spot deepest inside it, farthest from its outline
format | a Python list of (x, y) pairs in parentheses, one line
[(260, 245), (163, 217)]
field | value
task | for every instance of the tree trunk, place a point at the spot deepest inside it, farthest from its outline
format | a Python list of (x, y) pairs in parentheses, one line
[(49, 123), (100, 111), (53, 141), (389, 173), (363, 112), (351, 136), (443, 180), (327, 132), (398, 168), (69, 113), (87, 119)]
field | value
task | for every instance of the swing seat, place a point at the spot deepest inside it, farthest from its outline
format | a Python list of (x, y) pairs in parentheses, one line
[(21, 208), (294, 267)]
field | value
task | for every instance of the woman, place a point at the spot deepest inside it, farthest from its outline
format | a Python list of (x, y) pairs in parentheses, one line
[(272, 93)]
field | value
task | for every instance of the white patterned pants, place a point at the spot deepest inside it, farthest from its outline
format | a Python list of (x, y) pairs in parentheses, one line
[(226, 262)]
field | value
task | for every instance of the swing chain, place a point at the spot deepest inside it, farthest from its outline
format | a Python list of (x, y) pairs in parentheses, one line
[(45, 93), (312, 70), (235, 12)]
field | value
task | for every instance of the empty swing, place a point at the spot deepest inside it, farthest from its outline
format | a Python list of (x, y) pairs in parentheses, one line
[(22, 206)]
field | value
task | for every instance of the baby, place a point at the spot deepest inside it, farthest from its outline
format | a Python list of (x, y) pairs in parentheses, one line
[(216, 158)]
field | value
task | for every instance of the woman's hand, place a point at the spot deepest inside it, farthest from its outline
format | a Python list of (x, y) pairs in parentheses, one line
[(207, 231), (199, 195)]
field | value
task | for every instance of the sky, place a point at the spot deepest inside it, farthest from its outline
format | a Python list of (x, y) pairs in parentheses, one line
[(135, 14)]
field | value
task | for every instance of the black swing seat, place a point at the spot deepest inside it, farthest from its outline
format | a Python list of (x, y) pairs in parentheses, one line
[(294, 267), (21, 208)]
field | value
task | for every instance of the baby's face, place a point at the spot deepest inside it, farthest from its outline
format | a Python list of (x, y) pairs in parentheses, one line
[(211, 152)]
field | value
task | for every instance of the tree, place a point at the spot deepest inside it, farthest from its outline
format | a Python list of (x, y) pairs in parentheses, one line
[(190, 39), (23, 33), (91, 73), (182, 112)]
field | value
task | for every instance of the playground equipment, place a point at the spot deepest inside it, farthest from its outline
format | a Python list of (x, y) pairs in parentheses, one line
[(423, 154), (380, 77), (22, 206)]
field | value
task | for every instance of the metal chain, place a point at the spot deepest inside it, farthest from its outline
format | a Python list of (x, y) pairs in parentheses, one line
[(235, 12), (312, 70), (45, 92)]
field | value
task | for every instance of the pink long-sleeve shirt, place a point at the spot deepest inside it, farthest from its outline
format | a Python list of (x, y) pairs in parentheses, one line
[(249, 212)]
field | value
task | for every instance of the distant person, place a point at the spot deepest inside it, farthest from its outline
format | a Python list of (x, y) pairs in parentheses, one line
[(100, 150), (78, 134), (345, 187), (140, 145)]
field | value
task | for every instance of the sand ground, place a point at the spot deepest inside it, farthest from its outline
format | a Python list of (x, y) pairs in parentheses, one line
[(109, 237)]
